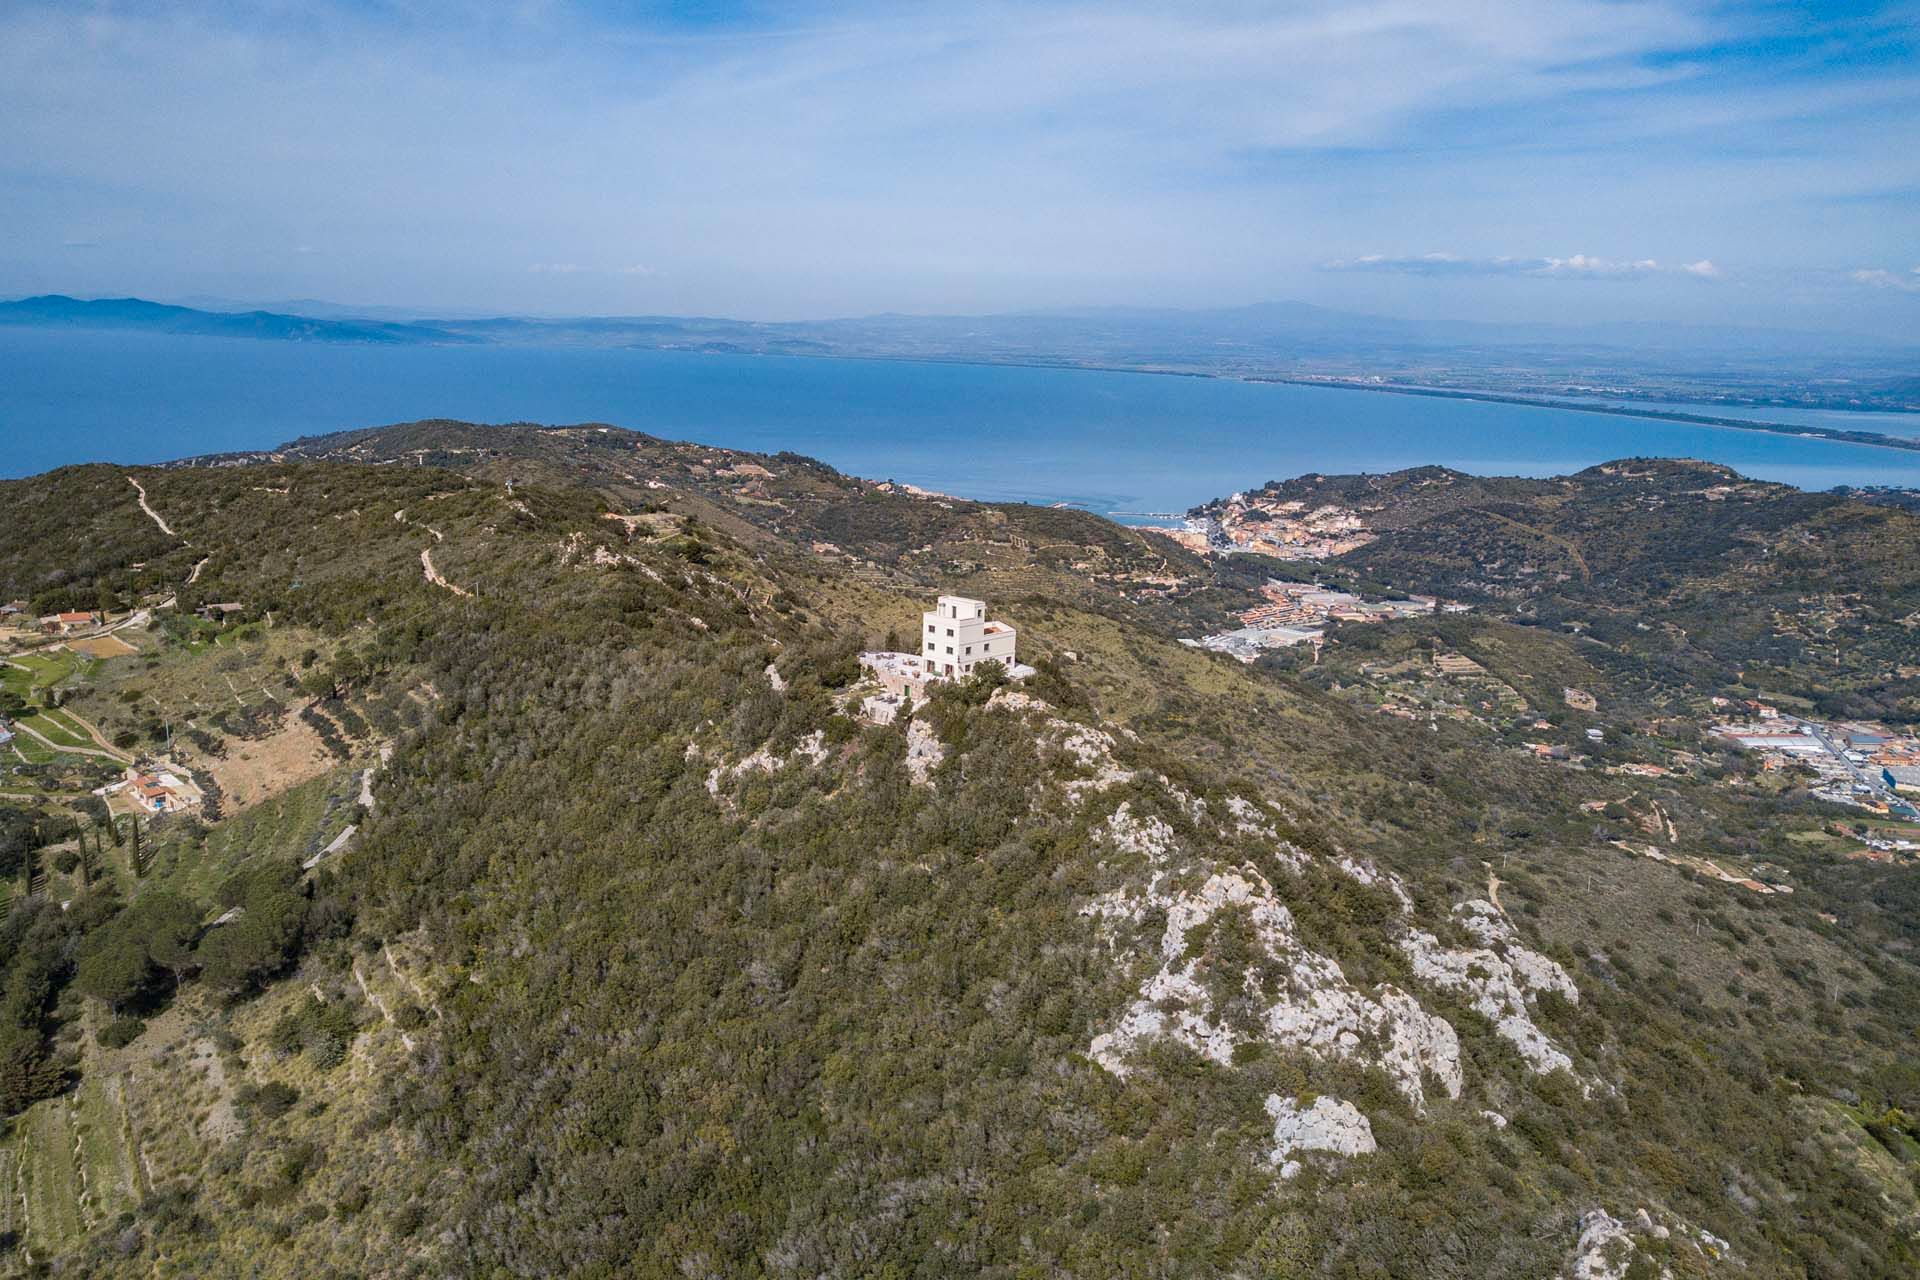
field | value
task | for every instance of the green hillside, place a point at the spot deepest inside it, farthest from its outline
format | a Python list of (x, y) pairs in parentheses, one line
[(648, 954)]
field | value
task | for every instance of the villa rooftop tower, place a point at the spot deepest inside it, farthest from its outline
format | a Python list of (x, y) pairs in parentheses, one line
[(956, 636)]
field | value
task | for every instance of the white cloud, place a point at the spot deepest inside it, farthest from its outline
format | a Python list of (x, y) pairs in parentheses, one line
[(1578, 266), (1880, 278), (639, 269), (1582, 265), (555, 268)]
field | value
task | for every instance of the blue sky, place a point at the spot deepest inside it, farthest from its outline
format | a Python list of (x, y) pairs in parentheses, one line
[(1580, 159)]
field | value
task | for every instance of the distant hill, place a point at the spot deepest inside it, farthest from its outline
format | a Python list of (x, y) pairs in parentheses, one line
[(137, 314)]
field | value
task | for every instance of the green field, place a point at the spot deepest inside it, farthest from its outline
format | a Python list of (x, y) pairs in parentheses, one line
[(30, 672)]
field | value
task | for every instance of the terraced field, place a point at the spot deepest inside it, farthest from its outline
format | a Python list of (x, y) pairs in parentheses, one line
[(48, 1181), (28, 673)]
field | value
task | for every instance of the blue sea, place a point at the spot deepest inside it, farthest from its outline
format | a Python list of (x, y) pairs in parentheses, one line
[(1123, 444)]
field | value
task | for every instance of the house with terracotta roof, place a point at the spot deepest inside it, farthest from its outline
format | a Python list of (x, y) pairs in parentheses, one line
[(158, 787), (65, 624)]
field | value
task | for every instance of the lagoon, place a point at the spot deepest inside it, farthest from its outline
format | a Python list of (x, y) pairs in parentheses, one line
[(1117, 443)]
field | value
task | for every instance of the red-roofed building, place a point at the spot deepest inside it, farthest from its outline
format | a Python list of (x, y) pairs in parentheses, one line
[(68, 623)]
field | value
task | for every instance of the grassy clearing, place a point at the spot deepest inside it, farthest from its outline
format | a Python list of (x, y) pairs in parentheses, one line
[(33, 751), (187, 684), (30, 672)]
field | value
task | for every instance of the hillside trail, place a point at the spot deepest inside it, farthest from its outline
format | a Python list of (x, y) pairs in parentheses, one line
[(151, 513), (433, 575)]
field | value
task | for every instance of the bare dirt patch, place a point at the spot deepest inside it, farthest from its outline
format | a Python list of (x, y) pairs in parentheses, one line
[(102, 647), (259, 769)]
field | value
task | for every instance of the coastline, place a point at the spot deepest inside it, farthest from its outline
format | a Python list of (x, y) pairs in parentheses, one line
[(1872, 439)]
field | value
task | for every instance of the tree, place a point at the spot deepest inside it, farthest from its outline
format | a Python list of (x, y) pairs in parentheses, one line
[(166, 925), (113, 968), (236, 956), (121, 962)]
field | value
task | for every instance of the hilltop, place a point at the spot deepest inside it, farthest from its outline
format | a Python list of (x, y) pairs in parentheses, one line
[(556, 910)]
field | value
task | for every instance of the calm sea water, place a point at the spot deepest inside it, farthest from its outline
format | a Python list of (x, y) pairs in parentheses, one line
[(1114, 442)]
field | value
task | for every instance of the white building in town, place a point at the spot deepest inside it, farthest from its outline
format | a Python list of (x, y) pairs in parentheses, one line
[(956, 636)]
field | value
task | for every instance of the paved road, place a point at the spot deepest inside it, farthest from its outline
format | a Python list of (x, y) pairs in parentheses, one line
[(1866, 777)]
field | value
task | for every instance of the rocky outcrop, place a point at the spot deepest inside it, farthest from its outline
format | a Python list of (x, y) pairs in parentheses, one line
[(1604, 1250), (1329, 1125), (812, 749), (1277, 992), (1498, 980), (1607, 1245), (1315, 1008), (925, 752)]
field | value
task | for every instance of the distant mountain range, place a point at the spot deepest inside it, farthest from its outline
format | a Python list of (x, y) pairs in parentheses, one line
[(55, 311), (1651, 360)]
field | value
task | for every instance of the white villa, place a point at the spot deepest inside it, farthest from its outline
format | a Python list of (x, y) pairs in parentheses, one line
[(956, 636)]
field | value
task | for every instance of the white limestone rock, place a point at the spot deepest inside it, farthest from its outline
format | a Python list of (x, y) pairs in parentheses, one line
[(1604, 1250), (1249, 819), (1315, 1009), (1148, 836), (925, 752), (1329, 1125), (812, 749), (1497, 980)]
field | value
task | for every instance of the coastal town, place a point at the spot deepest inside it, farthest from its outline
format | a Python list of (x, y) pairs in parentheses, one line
[(1286, 529)]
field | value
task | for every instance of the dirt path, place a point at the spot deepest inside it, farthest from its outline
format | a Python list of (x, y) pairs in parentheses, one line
[(151, 513), (199, 564), (93, 731), (222, 1121), (338, 843), (433, 575)]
